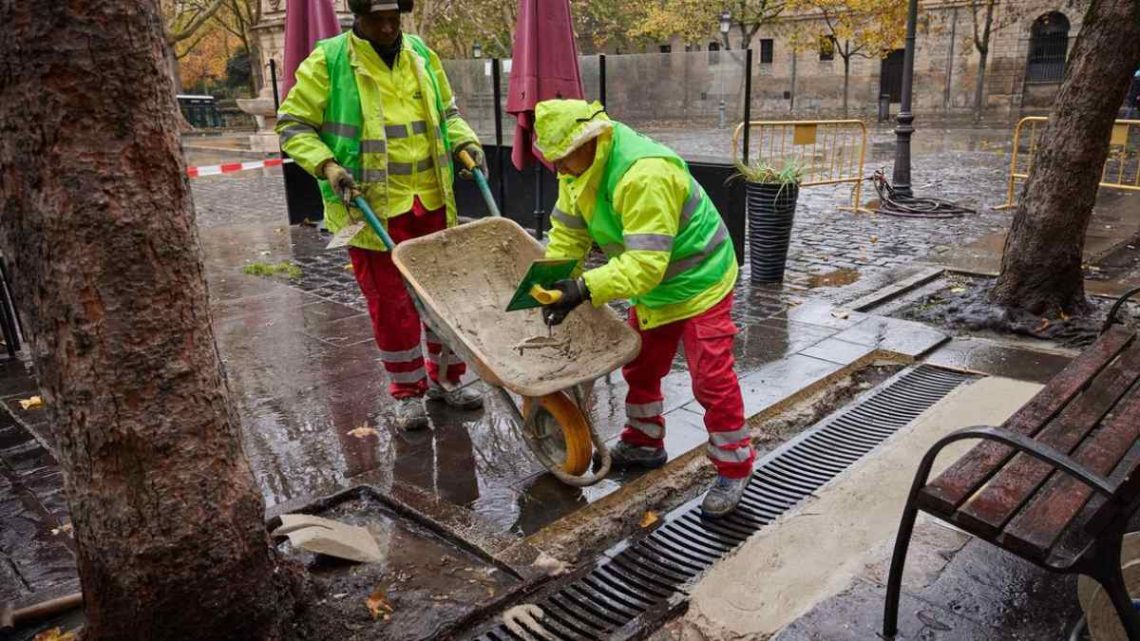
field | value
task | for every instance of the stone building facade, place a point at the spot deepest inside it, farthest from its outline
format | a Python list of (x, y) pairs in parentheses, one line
[(697, 82)]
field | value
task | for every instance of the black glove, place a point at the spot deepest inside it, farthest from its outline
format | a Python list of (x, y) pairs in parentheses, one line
[(574, 293), (477, 155)]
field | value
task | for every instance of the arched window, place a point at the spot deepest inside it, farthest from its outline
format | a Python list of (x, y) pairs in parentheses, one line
[(1048, 46)]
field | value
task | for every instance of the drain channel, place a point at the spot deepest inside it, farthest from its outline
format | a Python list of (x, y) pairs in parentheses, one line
[(634, 577)]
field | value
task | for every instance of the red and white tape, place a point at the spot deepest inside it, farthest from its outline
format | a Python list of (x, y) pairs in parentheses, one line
[(233, 167)]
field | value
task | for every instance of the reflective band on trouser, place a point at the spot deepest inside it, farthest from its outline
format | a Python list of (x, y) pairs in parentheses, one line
[(407, 168), (685, 264), (572, 222), (648, 428), (644, 410), (723, 439), (737, 455), (648, 242), (339, 129), (402, 356), (373, 146), (401, 131), (413, 376)]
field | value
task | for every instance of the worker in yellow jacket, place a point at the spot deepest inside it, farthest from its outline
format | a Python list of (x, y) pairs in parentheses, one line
[(669, 253), (372, 114)]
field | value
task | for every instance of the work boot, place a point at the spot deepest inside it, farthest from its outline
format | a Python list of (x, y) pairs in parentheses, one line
[(723, 496), (410, 414), (625, 455), (464, 398)]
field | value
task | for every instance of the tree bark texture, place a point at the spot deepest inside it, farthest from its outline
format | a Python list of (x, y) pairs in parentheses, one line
[(98, 227), (1041, 269)]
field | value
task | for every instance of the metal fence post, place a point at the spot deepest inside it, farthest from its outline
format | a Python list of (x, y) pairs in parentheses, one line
[(497, 91), (747, 100), (602, 79)]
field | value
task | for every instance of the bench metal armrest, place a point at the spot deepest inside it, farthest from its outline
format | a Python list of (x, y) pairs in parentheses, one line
[(1053, 457), (1110, 320)]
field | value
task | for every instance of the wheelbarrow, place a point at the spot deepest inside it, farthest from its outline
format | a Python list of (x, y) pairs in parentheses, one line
[(461, 280)]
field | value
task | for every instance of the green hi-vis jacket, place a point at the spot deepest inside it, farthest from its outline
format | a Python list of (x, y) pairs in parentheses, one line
[(392, 128), (669, 251)]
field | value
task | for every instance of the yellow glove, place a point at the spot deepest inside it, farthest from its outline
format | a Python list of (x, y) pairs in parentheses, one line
[(341, 182)]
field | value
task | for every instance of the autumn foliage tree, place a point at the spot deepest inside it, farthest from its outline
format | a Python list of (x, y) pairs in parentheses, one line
[(850, 28)]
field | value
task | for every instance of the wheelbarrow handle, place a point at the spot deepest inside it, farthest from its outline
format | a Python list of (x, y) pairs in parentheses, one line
[(481, 181), (374, 222)]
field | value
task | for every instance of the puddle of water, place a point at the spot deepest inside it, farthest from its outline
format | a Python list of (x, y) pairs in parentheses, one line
[(428, 582), (837, 278)]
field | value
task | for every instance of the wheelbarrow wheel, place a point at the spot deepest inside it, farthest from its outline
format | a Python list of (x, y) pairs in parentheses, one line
[(559, 432)]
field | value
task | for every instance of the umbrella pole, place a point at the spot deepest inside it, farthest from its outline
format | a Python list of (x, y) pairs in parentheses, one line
[(538, 213)]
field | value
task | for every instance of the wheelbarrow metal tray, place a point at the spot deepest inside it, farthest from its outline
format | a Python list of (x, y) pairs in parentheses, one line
[(465, 276)]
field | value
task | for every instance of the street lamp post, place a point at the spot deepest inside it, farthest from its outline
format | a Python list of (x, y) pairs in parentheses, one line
[(725, 25), (477, 50), (905, 129)]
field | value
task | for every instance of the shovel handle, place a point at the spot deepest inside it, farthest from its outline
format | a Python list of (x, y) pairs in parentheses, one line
[(374, 222), (467, 160)]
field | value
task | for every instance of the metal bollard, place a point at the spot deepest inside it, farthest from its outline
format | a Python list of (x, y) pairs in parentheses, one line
[(884, 107), (722, 114)]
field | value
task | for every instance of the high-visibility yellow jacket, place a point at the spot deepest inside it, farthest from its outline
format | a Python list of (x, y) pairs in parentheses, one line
[(653, 201), (393, 128)]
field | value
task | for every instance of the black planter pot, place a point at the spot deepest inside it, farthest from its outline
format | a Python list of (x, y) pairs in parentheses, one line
[(771, 211)]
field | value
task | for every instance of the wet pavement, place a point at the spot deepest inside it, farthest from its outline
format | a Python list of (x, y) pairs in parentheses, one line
[(304, 371), (956, 589)]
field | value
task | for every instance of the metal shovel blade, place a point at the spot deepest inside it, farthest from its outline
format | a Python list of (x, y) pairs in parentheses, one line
[(345, 235)]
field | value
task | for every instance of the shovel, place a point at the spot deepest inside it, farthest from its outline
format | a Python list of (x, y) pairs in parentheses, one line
[(342, 237)]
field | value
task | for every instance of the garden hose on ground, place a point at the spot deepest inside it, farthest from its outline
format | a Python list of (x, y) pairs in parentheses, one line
[(912, 207)]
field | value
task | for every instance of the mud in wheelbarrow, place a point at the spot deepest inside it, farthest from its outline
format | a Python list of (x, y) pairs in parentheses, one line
[(464, 277)]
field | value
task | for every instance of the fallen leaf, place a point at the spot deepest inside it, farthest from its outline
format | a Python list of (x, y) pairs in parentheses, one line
[(841, 314), (63, 529), (378, 605), (1042, 326), (32, 403), (363, 431), (649, 519), (1065, 316), (54, 634), (958, 290), (265, 253), (874, 239), (348, 267)]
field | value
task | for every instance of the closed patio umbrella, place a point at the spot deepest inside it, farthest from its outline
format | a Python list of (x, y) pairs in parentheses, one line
[(544, 65)]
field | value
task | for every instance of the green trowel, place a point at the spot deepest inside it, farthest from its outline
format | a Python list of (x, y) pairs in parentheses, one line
[(534, 290)]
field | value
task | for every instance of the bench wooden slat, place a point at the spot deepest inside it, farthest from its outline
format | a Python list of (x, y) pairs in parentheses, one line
[(1003, 496), (1038, 527), (945, 493)]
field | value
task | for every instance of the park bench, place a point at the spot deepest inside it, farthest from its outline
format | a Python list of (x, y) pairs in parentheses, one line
[(1056, 484)]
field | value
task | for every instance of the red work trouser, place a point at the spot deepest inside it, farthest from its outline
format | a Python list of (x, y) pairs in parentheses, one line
[(395, 322), (708, 349)]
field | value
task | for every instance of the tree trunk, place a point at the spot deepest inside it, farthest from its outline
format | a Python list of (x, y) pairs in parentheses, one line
[(980, 85), (1041, 268), (99, 228), (846, 81)]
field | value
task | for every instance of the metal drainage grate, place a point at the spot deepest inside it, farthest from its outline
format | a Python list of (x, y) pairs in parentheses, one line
[(634, 577)]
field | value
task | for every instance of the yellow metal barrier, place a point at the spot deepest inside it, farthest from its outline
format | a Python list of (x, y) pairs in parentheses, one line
[(1121, 169), (830, 152)]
